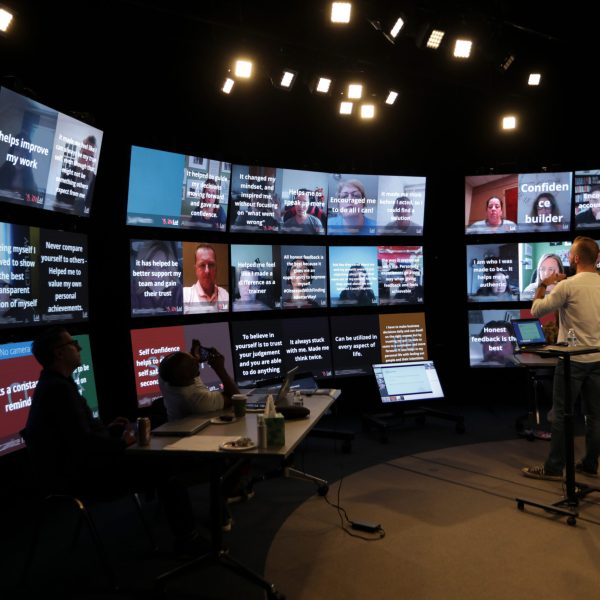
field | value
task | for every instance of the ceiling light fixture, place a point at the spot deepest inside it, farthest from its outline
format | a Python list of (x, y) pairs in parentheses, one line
[(340, 12), (534, 79), (346, 108), (355, 91), (391, 98), (462, 48), (6, 18), (367, 111), (509, 122), (243, 69), (228, 85)]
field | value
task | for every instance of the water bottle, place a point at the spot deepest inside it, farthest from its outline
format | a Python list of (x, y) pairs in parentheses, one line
[(261, 429), (571, 338)]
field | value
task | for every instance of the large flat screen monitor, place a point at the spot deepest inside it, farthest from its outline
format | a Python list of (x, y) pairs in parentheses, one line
[(275, 200), (50, 160), (176, 190), (531, 202), (407, 382), (150, 346), (43, 276), (174, 278), (267, 349), (375, 275), (511, 272), (587, 199), (492, 340), (359, 341), (273, 277), (19, 373)]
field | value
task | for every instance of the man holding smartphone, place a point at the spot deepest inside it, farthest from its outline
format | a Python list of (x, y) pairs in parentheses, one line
[(183, 390)]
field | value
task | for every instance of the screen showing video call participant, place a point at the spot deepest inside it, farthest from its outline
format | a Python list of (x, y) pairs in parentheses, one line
[(491, 338), (402, 223), (300, 221), (205, 295), (349, 210), (494, 221), (589, 210)]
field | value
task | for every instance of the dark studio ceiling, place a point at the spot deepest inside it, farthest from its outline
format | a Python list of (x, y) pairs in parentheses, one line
[(150, 73)]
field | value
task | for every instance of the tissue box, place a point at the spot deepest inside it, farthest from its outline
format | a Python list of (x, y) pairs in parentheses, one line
[(275, 431)]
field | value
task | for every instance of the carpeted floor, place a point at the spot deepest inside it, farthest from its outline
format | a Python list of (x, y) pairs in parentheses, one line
[(452, 531), (445, 501)]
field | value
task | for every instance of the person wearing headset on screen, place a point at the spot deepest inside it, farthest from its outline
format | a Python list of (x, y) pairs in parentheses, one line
[(577, 300), (209, 213), (549, 264), (205, 295), (494, 221), (301, 221), (351, 218), (76, 453)]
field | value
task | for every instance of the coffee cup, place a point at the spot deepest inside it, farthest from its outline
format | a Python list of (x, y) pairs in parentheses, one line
[(238, 401)]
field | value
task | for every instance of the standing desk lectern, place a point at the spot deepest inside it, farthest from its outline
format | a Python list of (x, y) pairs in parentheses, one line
[(574, 491)]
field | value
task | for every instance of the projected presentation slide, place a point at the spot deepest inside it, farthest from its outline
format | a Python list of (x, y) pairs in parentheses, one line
[(358, 343), (266, 349), (587, 199), (43, 276), (150, 346), (272, 277), (531, 202), (176, 190), (375, 204), (47, 159), (19, 373)]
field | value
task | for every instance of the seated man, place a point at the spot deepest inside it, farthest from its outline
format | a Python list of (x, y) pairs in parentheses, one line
[(76, 453), (183, 390), (184, 394)]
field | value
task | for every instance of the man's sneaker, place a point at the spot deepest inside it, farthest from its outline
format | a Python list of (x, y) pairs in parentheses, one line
[(240, 496), (581, 468), (539, 472)]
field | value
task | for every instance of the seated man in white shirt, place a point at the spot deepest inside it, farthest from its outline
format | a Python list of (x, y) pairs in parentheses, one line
[(184, 394), (205, 295), (183, 390)]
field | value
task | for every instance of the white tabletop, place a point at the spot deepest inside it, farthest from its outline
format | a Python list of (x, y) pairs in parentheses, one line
[(209, 439)]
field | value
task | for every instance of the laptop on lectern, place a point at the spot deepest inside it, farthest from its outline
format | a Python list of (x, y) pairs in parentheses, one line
[(529, 334), (407, 381)]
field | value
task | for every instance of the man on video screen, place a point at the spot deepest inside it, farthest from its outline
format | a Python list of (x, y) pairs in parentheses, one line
[(205, 295)]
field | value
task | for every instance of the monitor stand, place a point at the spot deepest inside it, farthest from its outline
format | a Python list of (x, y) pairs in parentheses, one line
[(384, 422)]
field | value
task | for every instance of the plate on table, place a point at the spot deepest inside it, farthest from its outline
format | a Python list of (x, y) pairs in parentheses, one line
[(227, 420), (234, 445)]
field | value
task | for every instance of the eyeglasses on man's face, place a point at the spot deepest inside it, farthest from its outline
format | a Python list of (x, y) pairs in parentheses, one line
[(73, 343)]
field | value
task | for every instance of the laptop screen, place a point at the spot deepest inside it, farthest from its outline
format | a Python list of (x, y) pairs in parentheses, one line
[(528, 332), (408, 381)]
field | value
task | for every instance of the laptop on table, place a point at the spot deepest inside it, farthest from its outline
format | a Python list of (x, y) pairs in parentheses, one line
[(182, 427), (257, 398)]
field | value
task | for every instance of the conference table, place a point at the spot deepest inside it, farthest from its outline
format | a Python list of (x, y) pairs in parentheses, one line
[(206, 445)]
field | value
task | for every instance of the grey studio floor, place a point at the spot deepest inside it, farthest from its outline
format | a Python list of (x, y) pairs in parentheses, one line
[(445, 501)]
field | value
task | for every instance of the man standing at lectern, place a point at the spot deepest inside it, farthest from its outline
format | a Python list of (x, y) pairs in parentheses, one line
[(578, 301)]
